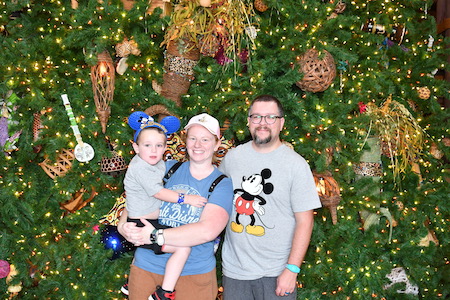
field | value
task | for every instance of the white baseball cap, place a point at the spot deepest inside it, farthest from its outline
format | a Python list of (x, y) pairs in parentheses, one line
[(207, 121)]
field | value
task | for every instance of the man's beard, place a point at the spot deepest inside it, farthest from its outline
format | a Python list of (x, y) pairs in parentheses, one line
[(260, 141)]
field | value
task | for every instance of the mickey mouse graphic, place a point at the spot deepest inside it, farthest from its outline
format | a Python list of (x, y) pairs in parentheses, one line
[(247, 201)]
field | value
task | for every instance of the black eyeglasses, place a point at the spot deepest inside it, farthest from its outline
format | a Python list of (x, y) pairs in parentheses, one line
[(270, 119)]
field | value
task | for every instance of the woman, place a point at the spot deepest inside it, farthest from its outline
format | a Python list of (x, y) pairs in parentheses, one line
[(200, 225)]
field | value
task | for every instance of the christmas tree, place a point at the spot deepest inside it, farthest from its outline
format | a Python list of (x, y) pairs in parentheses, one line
[(360, 84)]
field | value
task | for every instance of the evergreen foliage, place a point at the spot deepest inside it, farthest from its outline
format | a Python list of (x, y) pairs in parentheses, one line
[(48, 48)]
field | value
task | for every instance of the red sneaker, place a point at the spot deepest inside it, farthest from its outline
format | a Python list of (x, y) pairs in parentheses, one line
[(161, 294)]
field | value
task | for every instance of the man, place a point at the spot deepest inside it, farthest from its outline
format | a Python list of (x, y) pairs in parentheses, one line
[(274, 197)]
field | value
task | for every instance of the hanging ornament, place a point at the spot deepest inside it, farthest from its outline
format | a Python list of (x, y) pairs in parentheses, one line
[(83, 151), (7, 124), (103, 78), (205, 3), (180, 58), (13, 289), (62, 165), (329, 193), (37, 128), (37, 125), (4, 268), (318, 73), (342, 67), (430, 237), (340, 8), (260, 5), (123, 50), (396, 35), (115, 165), (424, 93), (76, 202), (398, 275), (370, 160), (373, 218), (113, 240), (397, 127), (435, 151)]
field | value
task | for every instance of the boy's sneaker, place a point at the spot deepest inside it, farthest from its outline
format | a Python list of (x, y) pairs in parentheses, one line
[(124, 289), (161, 294)]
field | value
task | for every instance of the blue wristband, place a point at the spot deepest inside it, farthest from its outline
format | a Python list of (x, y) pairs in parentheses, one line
[(180, 198), (293, 268)]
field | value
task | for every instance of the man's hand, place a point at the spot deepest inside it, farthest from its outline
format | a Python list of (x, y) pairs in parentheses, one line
[(141, 236), (286, 283)]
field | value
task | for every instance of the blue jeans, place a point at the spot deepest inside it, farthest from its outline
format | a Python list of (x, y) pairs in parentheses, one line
[(258, 289)]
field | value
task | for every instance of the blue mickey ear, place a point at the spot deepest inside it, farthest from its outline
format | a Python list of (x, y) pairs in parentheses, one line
[(134, 120), (171, 123)]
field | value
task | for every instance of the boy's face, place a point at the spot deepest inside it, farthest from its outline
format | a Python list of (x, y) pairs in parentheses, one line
[(151, 145)]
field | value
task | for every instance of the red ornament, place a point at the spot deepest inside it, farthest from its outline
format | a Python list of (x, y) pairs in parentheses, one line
[(362, 107), (4, 268)]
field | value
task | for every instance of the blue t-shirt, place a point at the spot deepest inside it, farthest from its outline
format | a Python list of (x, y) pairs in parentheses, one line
[(201, 259)]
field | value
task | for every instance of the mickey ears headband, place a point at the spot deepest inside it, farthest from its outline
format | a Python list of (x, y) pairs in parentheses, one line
[(139, 120)]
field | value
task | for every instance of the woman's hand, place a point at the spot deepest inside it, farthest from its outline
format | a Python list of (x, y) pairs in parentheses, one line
[(141, 236)]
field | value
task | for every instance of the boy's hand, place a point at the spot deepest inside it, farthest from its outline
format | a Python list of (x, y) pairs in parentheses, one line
[(195, 200)]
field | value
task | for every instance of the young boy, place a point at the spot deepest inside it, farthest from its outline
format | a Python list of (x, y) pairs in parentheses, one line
[(144, 190)]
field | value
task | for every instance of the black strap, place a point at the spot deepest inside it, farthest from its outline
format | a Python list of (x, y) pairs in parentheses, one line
[(175, 167), (172, 170), (215, 183)]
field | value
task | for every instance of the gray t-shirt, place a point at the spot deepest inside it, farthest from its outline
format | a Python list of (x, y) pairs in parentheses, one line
[(268, 189), (142, 181)]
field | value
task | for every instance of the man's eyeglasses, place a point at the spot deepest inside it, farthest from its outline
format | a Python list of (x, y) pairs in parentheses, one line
[(270, 119)]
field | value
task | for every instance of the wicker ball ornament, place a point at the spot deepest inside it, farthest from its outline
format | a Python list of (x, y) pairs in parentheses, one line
[(319, 70), (260, 5), (114, 165), (424, 92)]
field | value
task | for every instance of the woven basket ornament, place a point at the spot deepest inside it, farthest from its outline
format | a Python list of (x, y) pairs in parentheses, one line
[(319, 70), (180, 60), (329, 193), (103, 77), (62, 165)]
